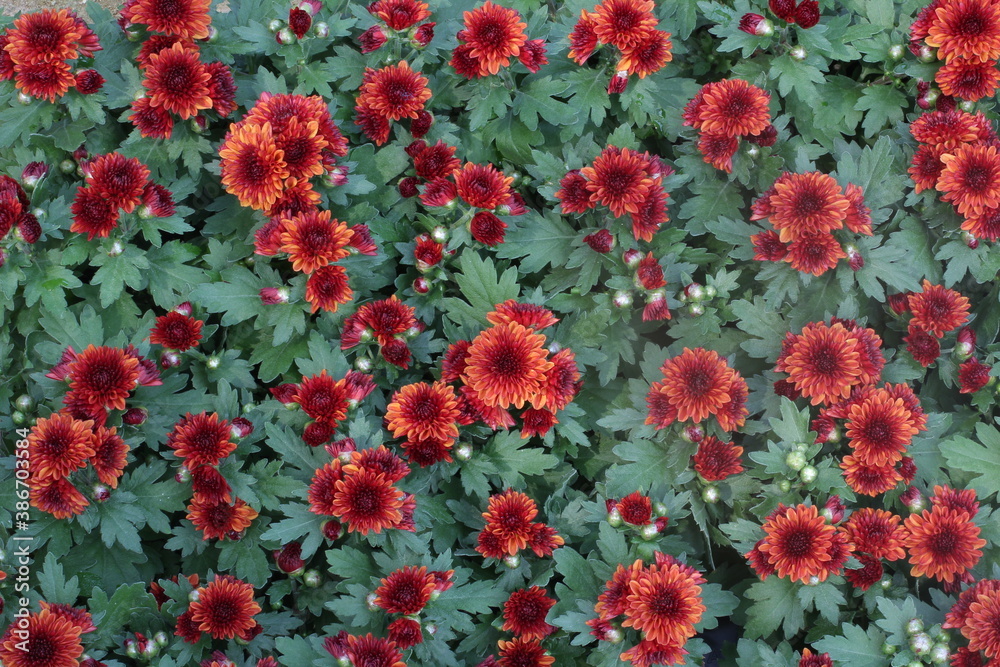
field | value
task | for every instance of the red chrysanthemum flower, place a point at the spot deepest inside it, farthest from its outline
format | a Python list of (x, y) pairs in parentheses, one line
[(970, 179), (487, 228), (859, 219), (314, 239), (810, 659), (635, 509), (651, 214), (507, 365), (573, 195), (650, 654), (799, 543), (982, 624), (323, 398), (405, 633), (984, 224), (718, 150), (924, 347), (563, 380), (968, 81), (327, 288), (45, 639), (966, 29), (611, 602), (394, 92), (187, 19), (110, 455), (424, 412), (695, 384), (89, 81), (945, 129), (225, 608), (880, 428), (733, 108), (618, 179), (623, 23), (823, 362), (522, 652), (157, 200), (950, 498), (876, 532), (372, 651), (937, 309), (302, 147), (366, 501), (178, 81), (175, 331), (386, 319), (218, 520), (647, 55), (959, 612), (524, 613), (869, 574), (532, 55), (768, 247), (103, 376), (201, 439), (664, 603), (153, 122), (58, 445), (120, 180), (973, 375), (209, 487), (406, 591), (509, 518), (46, 80), (493, 34), (526, 314), (427, 452), (926, 167), (583, 39), (400, 14), (869, 480), (253, 167), (323, 487), (716, 460), (44, 36), (802, 204), (437, 161), (482, 186), (380, 460), (943, 543), (57, 497), (221, 88)]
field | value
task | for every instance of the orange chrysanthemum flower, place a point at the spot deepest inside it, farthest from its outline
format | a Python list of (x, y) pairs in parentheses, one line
[(406, 591), (313, 239), (943, 543), (201, 439), (400, 14), (327, 288), (926, 167), (968, 81), (178, 81), (58, 445), (323, 398), (217, 520), (302, 145), (716, 460), (647, 55), (118, 179), (323, 487), (422, 411), (253, 167), (823, 362), (103, 376), (937, 309), (57, 497), (876, 532), (525, 314), (46, 640), (984, 224), (43, 37), (493, 34), (696, 384), (371, 650), (799, 543), (482, 186), (945, 129), (110, 455), (966, 29), (187, 19), (524, 613), (583, 39), (869, 480), (523, 652), (623, 23), (509, 519), (225, 608), (279, 110), (815, 253), (176, 331), (811, 203), (733, 108), (982, 624), (652, 654), (880, 428), (394, 92), (507, 365), (45, 80), (970, 179), (618, 179), (959, 612), (664, 603), (366, 501)]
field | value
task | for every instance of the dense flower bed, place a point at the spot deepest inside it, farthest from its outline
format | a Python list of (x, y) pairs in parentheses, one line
[(516, 334)]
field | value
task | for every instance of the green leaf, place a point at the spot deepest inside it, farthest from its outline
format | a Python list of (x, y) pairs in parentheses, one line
[(798, 76), (776, 605), (648, 463), (856, 647), (539, 241), (237, 295), (127, 268), (484, 108), (128, 605), (482, 288), (537, 100), (884, 105), (52, 581), (983, 460), (512, 460)]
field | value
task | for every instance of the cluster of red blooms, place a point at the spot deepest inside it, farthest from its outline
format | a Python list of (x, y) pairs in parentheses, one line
[(805, 210), (428, 253), (15, 212), (350, 649), (725, 111), (202, 441), (508, 365), (407, 591), (510, 528), (966, 34), (662, 601), (934, 311), (630, 27), (427, 416), (390, 94), (325, 400), (524, 615), (977, 616), (389, 323), (697, 384), (50, 637), (636, 510), (100, 379), (116, 184), (958, 157), (223, 609), (177, 82), (648, 276), (37, 50), (484, 189), (397, 16), (625, 181), (492, 35), (358, 488)]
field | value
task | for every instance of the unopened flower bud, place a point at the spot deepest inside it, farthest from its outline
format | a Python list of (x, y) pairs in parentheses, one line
[(613, 635), (213, 363), (912, 499), (116, 248), (24, 99), (939, 654), (795, 460), (968, 106), (696, 309), (601, 241), (622, 299), (32, 174), (321, 29), (363, 364), (798, 53), (757, 25), (241, 427), (285, 36), (463, 451), (914, 626), (926, 54), (161, 639), (275, 25), (24, 402), (896, 51), (312, 579), (970, 240), (692, 433), (421, 285), (170, 359), (150, 651), (101, 493), (694, 292), (131, 650), (784, 486), (332, 529), (854, 257), (921, 644), (439, 234), (512, 561), (183, 475), (886, 583), (649, 532), (194, 595), (710, 494), (808, 474), (184, 309), (274, 295), (632, 257)]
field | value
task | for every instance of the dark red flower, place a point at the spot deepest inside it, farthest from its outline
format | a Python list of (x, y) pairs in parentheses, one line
[(299, 22), (89, 81), (487, 228), (807, 13), (973, 375)]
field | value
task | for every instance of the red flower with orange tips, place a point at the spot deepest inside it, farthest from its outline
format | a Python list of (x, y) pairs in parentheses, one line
[(823, 362), (57, 497), (869, 480), (970, 179), (647, 55), (424, 412), (943, 543), (800, 544), (373, 651), (524, 613), (509, 518), (43, 37), (650, 654), (968, 81), (400, 14), (966, 29), (406, 591), (618, 179), (314, 239), (718, 150), (664, 603), (623, 23), (58, 445), (175, 331), (695, 384), (880, 428), (323, 398), (153, 122), (110, 455), (216, 520), (984, 224), (733, 108), (937, 309), (982, 624), (716, 460), (635, 509), (583, 39), (302, 146), (201, 439), (366, 501), (394, 92), (187, 19), (523, 652), (118, 179), (973, 375), (93, 214), (44, 80), (492, 35), (225, 608), (253, 167), (103, 376), (802, 204), (178, 81), (327, 288), (810, 659), (507, 365), (48, 640), (482, 186), (945, 129), (876, 532), (526, 314)]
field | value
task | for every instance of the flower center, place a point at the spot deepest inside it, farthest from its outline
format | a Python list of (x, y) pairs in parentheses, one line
[(177, 79), (699, 382), (972, 25), (943, 543), (398, 93), (977, 177), (824, 361), (253, 170), (664, 602), (507, 364), (797, 544)]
